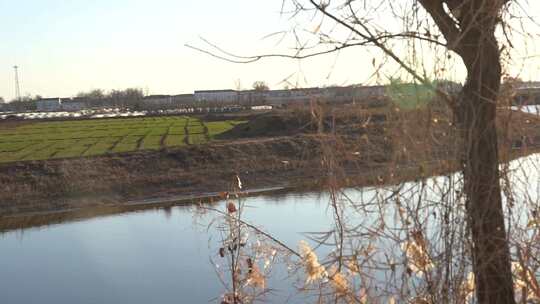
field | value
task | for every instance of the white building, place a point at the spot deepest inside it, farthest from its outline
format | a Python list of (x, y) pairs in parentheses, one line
[(157, 100), (528, 93), (216, 96), (49, 104), (167, 101), (528, 85), (182, 99), (73, 104), (329, 94)]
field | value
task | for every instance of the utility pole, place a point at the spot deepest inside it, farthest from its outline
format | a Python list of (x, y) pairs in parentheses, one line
[(17, 84)]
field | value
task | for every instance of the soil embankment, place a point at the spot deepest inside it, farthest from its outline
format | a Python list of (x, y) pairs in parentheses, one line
[(284, 149)]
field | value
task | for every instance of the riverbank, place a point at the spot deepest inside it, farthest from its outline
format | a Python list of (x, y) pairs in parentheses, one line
[(291, 156)]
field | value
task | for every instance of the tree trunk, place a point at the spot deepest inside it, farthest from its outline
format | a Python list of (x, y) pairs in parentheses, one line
[(476, 116)]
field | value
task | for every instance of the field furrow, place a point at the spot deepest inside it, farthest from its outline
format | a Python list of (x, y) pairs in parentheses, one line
[(91, 137)]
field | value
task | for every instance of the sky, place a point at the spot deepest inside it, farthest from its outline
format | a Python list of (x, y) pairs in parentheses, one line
[(65, 47)]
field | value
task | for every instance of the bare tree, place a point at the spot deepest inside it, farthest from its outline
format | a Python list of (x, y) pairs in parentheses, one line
[(470, 29), (93, 94), (260, 86)]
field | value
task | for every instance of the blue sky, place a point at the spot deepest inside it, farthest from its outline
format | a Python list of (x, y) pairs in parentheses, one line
[(64, 47)]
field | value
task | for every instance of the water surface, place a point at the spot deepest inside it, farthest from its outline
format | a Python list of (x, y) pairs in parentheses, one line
[(155, 256), (163, 255)]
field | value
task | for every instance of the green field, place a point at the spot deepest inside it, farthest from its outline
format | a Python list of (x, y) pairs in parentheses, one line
[(64, 139)]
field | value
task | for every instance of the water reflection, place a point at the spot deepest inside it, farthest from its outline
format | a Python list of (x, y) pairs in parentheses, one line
[(161, 255), (152, 256)]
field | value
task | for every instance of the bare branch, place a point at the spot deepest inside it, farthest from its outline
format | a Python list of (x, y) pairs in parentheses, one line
[(228, 56), (446, 24)]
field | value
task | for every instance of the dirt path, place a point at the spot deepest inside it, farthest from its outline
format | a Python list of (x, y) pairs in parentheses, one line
[(205, 131), (140, 141), (163, 140), (121, 138), (186, 131)]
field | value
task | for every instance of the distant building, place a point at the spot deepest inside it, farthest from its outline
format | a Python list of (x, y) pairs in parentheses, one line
[(49, 104), (249, 97), (74, 104), (369, 91), (216, 96), (303, 95), (329, 94), (182, 99), (156, 98), (528, 93), (528, 85), (155, 102)]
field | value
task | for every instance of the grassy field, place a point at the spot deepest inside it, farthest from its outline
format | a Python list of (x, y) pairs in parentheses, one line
[(64, 139)]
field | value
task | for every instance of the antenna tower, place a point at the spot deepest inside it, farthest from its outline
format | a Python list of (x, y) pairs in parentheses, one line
[(17, 84)]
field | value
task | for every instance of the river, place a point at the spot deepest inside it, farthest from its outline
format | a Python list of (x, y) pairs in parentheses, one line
[(157, 255)]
